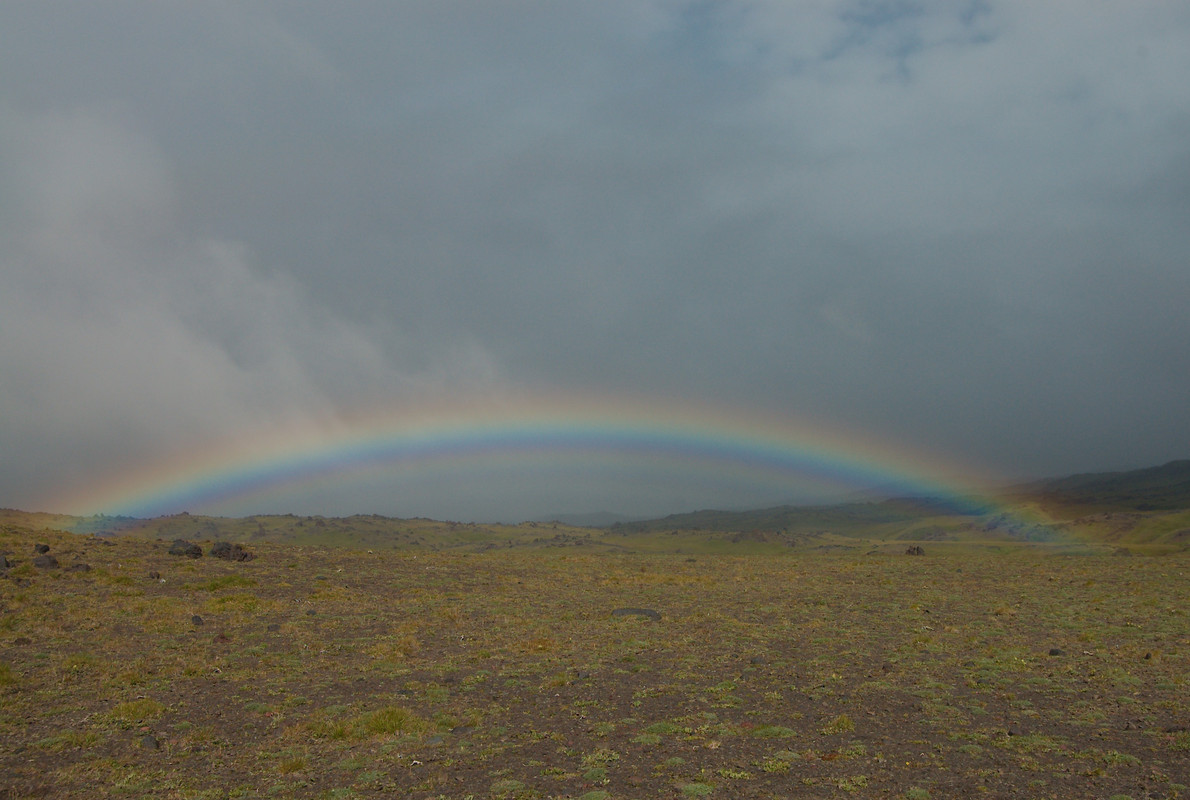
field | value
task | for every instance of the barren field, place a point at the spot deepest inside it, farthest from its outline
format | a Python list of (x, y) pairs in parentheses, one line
[(562, 673)]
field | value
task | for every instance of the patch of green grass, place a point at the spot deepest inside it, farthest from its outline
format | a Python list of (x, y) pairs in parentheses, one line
[(136, 712), (506, 788), (69, 740), (596, 775), (840, 724), (7, 676), (224, 582), (774, 732), (393, 719), (697, 789)]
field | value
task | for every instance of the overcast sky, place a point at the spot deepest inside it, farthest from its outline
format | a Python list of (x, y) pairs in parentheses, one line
[(960, 226)]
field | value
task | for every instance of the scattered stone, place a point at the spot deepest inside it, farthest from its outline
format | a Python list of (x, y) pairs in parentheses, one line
[(45, 562), (181, 547), (196, 620), (915, 550), (274, 627), (1057, 651), (41, 548), (582, 674), (756, 661), (230, 551), (154, 575), (637, 612), (79, 567), (149, 742), (311, 613)]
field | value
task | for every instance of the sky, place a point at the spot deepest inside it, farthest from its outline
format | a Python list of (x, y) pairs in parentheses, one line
[(962, 228)]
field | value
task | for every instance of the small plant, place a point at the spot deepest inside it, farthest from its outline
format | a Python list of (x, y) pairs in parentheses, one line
[(774, 732), (840, 724), (506, 788), (697, 789), (596, 775), (288, 766), (136, 712), (393, 719)]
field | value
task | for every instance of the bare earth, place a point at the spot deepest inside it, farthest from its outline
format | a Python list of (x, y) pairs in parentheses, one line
[(340, 673)]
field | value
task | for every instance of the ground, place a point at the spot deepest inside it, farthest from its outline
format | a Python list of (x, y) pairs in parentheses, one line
[(343, 673)]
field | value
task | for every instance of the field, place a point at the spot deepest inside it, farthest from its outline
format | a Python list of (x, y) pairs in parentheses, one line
[(577, 668)]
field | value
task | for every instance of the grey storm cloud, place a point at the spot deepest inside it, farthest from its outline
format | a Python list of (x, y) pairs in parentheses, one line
[(960, 225)]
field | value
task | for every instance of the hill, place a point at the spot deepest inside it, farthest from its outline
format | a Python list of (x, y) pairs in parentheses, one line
[(1163, 488)]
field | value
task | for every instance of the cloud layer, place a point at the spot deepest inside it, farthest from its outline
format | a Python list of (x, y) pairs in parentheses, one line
[(956, 225)]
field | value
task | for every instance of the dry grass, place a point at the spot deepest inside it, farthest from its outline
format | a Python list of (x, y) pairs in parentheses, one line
[(323, 672)]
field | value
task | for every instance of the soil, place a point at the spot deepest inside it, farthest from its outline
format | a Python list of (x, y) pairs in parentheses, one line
[(340, 673)]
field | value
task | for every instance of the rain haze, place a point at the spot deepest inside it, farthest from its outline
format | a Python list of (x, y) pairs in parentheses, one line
[(961, 227)]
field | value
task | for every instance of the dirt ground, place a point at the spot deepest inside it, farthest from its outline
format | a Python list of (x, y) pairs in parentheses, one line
[(338, 673)]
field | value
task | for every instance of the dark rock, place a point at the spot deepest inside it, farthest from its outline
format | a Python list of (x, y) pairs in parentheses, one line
[(41, 548), (311, 613), (230, 551), (45, 562), (181, 547), (149, 742), (21, 641), (915, 550), (196, 620), (1057, 651), (637, 612), (273, 628), (756, 660), (154, 575), (79, 567)]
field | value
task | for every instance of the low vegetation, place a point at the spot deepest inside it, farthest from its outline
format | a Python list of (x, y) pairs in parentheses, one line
[(491, 664)]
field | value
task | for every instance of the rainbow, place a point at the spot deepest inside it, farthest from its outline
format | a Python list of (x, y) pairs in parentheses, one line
[(674, 441)]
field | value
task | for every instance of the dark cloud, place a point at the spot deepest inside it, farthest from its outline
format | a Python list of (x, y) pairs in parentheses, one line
[(961, 226)]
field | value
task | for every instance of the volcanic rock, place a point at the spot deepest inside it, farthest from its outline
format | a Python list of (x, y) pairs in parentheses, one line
[(231, 552), (181, 547)]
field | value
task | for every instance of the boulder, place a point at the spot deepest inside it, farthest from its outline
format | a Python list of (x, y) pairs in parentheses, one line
[(45, 562), (181, 547), (231, 552), (41, 548)]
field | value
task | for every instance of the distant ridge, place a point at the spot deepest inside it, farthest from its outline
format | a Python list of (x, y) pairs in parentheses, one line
[(595, 519), (1162, 488)]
